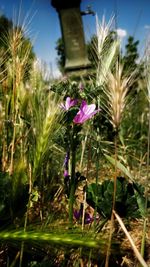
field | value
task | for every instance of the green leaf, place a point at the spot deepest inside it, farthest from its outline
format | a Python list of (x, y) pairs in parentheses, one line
[(68, 239), (129, 203), (139, 194), (120, 166)]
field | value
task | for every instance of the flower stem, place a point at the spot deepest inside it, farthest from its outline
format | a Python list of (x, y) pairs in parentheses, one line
[(113, 203), (146, 193), (72, 182), (97, 175)]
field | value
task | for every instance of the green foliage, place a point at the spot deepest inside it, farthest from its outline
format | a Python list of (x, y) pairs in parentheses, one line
[(134, 127), (61, 54), (44, 248), (129, 198), (121, 167), (131, 55), (13, 197), (5, 26), (5, 193)]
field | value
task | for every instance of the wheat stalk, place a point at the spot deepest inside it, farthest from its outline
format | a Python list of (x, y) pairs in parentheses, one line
[(14, 60), (116, 91), (54, 238), (102, 31), (49, 128), (19, 52), (106, 49)]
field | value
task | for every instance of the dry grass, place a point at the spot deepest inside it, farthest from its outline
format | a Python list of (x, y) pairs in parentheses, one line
[(106, 49), (115, 91)]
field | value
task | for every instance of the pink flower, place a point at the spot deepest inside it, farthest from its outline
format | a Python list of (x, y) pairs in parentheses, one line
[(69, 103), (66, 174), (85, 112), (79, 213)]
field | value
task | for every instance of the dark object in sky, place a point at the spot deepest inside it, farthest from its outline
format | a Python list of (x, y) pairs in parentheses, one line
[(88, 11), (59, 4), (72, 34)]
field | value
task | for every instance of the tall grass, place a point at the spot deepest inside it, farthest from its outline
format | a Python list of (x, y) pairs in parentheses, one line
[(147, 78), (16, 61), (115, 88), (106, 48), (115, 91), (30, 119)]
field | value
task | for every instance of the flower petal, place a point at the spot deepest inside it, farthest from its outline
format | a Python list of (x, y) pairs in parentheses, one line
[(78, 117), (67, 104), (66, 173), (70, 102), (88, 109), (73, 102), (83, 104)]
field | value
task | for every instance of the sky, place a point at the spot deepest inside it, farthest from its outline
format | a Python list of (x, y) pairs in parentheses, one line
[(132, 18)]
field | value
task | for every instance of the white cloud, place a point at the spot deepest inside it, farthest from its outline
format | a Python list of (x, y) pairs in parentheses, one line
[(147, 27), (56, 73), (121, 33)]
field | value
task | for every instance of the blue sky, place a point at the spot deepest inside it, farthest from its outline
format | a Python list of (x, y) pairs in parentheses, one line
[(133, 18)]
